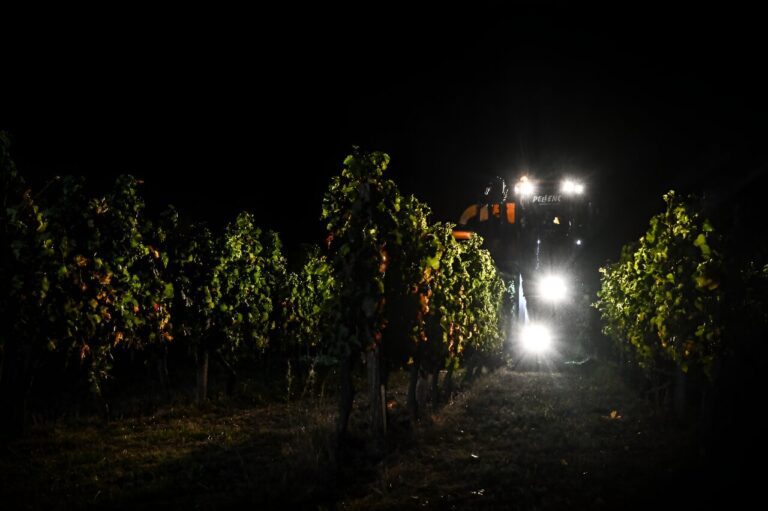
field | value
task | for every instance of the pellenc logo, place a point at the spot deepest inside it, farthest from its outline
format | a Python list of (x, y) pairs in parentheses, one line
[(546, 199)]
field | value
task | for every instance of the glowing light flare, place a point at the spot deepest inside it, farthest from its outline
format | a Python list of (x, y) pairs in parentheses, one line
[(524, 186), (571, 187), (536, 339), (552, 288)]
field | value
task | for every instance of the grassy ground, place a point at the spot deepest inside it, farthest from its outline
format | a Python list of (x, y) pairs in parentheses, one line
[(512, 440), (535, 441)]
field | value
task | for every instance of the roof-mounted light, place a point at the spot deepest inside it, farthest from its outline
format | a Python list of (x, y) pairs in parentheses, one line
[(570, 187), (524, 187)]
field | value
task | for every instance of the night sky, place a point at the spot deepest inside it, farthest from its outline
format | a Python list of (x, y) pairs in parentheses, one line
[(225, 111)]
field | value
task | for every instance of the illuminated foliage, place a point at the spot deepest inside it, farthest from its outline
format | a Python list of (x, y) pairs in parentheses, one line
[(395, 271), (664, 296), (243, 288), (471, 299), (307, 308), (191, 255), (451, 299), (485, 294), (83, 279), (410, 274), (89, 278)]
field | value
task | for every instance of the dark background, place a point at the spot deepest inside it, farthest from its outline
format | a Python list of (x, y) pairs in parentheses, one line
[(224, 111)]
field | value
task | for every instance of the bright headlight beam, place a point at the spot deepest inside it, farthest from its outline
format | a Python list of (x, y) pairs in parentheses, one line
[(552, 288), (536, 339), (571, 187), (524, 186)]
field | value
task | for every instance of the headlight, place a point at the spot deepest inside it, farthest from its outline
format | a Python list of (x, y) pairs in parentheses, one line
[(524, 187), (552, 288), (536, 339), (569, 187)]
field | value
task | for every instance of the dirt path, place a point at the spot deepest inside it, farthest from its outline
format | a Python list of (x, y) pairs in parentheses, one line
[(512, 441), (535, 441)]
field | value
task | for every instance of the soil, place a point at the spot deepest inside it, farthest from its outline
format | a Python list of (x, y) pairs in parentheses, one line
[(510, 440)]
